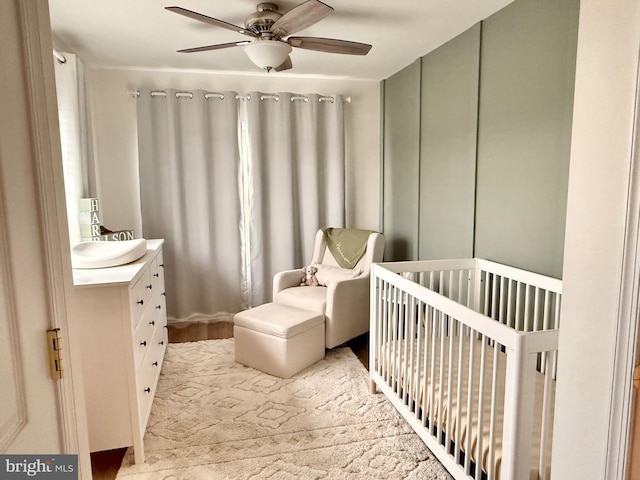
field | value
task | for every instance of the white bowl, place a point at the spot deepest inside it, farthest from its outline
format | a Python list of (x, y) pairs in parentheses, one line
[(107, 254)]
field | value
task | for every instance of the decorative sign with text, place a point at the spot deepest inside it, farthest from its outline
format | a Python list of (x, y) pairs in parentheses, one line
[(89, 213)]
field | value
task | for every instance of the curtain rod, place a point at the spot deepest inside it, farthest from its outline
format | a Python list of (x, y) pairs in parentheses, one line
[(162, 93)]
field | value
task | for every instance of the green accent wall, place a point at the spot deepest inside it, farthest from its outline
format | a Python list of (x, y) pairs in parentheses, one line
[(448, 148), (525, 117), (401, 152), (476, 142)]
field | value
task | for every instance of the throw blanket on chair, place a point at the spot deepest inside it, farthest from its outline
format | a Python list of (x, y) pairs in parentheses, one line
[(347, 245)]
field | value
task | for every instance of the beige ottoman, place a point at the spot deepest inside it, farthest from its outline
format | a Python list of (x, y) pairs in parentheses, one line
[(278, 339)]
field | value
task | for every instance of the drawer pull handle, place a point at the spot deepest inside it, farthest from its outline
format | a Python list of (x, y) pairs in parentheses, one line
[(143, 343), (149, 286), (161, 342), (158, 307), (156, 274), (152, 322), (147, 390), (155, 364), (164, 294), (140, 302), (162, 265)]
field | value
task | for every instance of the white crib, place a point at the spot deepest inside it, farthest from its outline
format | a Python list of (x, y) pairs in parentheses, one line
[(467, 350)]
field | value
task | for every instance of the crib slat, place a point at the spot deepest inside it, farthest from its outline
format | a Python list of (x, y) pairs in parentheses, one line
[(479, 449), (487, 291), (419, 348), (503, 299), (518, 306), (392, 336), (389, 313), (546, 307), (536, 311), (449, 383), (383, 332), (396, 343), (425, 365), (374, 345), (494, 296), (441, 374), (510, 319), (467, 448), (402, 333), (457, 420), (411, 339), (432, 374), (527, 307), (492, 421)]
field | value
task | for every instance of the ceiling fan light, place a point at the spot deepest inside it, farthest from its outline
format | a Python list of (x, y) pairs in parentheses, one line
[(267, 54)]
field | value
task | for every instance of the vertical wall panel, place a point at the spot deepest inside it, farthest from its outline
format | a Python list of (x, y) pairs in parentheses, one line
[(401, 163), (448, 147), (526, 101)]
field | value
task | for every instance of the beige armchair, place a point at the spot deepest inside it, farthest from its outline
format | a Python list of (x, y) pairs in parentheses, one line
[(344, 297)]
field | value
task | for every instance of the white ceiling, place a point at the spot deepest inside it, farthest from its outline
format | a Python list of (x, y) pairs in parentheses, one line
[(141, 33)]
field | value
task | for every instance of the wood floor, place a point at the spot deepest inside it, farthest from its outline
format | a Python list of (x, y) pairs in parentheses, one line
[(105, 464)]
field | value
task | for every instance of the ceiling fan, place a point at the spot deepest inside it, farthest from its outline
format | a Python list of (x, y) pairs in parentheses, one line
[(270, 43)]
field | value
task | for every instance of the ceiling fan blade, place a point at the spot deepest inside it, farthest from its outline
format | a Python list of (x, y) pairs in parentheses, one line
[(300, 17), (210, 20), (330, 45), (286, 65), (213, 47)]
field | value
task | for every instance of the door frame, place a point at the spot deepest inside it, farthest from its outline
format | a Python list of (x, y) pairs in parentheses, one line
[(37, 53), (626, 350)]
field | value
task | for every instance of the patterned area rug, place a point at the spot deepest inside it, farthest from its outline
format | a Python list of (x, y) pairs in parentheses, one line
[(215, 419)]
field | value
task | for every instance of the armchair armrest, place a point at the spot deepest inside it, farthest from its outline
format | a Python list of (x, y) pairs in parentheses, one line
[(347, 310), (286, 279)]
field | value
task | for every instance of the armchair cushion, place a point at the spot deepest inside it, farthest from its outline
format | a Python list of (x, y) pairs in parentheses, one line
[(328, 273), (308, 298)]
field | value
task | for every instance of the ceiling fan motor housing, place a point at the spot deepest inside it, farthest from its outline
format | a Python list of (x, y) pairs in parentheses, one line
[(260, 22)]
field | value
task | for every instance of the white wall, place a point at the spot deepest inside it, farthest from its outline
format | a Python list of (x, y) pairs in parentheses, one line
[(115, 134), (605, 90)]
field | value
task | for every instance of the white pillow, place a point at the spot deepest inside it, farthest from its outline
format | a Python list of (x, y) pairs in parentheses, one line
[(328, 273)]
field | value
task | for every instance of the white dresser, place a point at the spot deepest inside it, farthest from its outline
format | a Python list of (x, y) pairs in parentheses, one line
[(124, 336)]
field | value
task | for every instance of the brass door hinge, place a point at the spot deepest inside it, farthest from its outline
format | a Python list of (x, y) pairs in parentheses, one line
[(636, 376), (54, 345)]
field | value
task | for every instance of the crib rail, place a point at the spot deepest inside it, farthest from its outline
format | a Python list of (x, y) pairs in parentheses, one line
[(467, 352)]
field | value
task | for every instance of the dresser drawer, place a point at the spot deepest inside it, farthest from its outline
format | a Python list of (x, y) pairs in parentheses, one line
[(149, 372), (142, 336), (157, 269), (140, 297), (146, 379)]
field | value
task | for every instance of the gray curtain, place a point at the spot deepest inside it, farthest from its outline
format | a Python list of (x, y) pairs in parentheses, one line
[(295, 182), (189, 163)]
